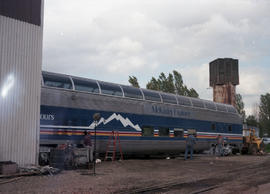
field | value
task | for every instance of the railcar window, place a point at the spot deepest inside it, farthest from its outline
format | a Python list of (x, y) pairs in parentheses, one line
[(197, 103), (231, 110), (110, 89), (132, 92), (221, 107), (230, 128), (183, 101), (162, 131), (192, 132), (153, 96), (178, 132), (169, 98), (57, 81), (213, 126), (86, 86), (147, 131), (210, 105)]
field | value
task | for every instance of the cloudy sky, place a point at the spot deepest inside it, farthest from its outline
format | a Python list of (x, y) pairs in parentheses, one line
[(110, 40)]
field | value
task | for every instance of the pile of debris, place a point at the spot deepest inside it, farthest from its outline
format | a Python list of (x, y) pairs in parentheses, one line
[(9, 169), (68, 157), (40, 170)]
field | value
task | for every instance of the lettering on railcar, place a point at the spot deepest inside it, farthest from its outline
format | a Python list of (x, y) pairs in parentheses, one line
[(47, 117), (174, 112)]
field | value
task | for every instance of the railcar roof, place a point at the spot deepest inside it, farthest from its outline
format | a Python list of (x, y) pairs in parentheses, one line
[(69, 82)]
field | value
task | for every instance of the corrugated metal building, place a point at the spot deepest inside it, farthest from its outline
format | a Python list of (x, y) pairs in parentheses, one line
[(21, 34)]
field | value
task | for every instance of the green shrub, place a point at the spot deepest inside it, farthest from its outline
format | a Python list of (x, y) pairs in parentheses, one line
[(267, 148)]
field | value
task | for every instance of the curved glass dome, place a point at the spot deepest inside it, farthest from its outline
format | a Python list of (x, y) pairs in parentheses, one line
[(92, 86), (151, 95), (132, 92), (110, 89), (56, 81), (85, 85), (168, 98)]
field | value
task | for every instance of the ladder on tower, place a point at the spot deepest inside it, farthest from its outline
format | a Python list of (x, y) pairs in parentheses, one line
[(111, 151)]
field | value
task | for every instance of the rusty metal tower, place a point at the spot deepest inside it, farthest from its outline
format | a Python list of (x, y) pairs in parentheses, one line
[(224, 77)]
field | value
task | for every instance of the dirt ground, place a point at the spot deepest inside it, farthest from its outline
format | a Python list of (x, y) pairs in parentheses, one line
[(204, 174)]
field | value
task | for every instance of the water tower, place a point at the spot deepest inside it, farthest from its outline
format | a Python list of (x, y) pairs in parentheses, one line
[(224, 77)]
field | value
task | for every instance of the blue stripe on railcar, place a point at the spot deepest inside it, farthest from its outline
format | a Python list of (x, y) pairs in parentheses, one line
[(81, 117), (60, 116)]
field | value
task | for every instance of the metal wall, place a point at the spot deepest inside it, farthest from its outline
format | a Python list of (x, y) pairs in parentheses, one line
[(20, 78), (26, 10)]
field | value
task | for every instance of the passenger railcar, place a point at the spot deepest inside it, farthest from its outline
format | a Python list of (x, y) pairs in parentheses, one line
[(149, 122)]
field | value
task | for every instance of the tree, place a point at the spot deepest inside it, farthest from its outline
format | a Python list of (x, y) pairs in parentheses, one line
[(240, 105), (163, 83), (153, 84), (133, 81), (264, 113), (171, 84), (180, 88), (255, 110), (193, 93), (252, 121)]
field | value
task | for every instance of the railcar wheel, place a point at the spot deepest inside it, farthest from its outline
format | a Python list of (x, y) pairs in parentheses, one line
[(43, 159), (57, 158), (244, 151), (235, 151)]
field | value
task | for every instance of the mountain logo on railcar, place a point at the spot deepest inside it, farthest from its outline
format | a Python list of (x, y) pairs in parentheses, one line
[(125, 122)]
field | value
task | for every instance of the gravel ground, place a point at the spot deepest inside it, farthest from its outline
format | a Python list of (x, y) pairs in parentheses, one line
[(234, 174)]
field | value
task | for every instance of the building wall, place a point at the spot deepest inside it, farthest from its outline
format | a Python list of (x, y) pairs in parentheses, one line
[(20, 78)]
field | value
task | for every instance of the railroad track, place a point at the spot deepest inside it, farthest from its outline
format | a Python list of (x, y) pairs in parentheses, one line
[(203, 185)]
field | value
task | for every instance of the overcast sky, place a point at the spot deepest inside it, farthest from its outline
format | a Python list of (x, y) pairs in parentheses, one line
[(110, 40)]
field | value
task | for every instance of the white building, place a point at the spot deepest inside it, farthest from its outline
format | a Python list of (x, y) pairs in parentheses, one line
[(21, 32)]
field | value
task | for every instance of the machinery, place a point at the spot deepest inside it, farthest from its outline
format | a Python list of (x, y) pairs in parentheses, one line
[(252, 144)]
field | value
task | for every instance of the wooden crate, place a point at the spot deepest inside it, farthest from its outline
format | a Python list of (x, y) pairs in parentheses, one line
[(8, 167)]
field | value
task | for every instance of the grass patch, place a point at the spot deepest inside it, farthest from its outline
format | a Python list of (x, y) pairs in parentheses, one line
[(267, 148)]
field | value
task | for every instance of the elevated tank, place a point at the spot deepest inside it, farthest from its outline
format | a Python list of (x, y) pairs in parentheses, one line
[(224, 76)]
